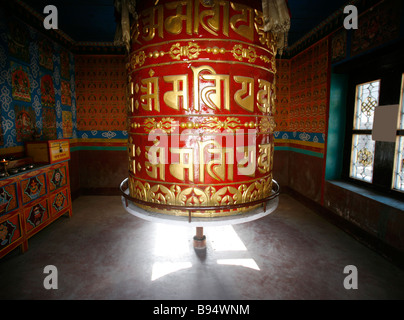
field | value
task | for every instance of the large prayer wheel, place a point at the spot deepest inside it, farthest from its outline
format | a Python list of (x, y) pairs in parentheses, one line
[(201, 95)]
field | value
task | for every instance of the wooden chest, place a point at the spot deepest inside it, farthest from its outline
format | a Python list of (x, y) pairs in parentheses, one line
[(48, 151)]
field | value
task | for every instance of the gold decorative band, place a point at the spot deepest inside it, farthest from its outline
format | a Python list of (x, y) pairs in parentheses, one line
[(197, 196), (192, 115), (210, 124), (191, 133), (159, 44), (192, 51), (204, 61)]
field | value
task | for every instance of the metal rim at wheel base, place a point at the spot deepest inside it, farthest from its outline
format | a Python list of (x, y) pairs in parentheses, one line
[(268, 205)]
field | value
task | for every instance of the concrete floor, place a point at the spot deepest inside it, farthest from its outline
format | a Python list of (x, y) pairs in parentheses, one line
[(103, 252)]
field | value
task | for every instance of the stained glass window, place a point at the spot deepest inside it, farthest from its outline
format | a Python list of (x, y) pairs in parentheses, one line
[(399, 165), (363, 147), (367, 98), (398, 173)]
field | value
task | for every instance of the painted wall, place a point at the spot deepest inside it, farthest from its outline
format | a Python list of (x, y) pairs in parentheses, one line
[(47, 89), (101, 96), (37, 86), (101, 123), (301, 117)]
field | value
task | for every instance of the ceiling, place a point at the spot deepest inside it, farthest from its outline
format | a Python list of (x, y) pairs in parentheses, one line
[(94, 20), (307, 14)]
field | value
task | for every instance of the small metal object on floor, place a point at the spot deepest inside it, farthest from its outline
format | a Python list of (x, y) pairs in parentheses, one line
[(199, 239)]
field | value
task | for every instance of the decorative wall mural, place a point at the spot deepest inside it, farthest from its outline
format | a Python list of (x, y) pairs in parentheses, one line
[(100, 90), (309, 89), (64, 64), (18, 40), (1, 135), (302, 100), (282, 95), (47, 91), (67, 124), (49, 123), (46, 54), (377, 26), (20, 82), (338, 46), (66, 93), (32, 68), (25, 122)]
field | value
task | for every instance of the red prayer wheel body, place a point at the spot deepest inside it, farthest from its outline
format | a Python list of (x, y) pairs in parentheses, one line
[(200, 105)]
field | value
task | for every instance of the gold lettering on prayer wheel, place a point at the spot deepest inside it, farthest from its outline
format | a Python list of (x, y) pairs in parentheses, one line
[(201, 106)]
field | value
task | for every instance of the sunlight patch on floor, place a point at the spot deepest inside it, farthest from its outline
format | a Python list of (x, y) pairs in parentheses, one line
[(171, 240), (173, 247), (224, 238)]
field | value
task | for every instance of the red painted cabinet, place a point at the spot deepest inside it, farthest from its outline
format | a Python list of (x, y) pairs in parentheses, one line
[(31, 201)]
